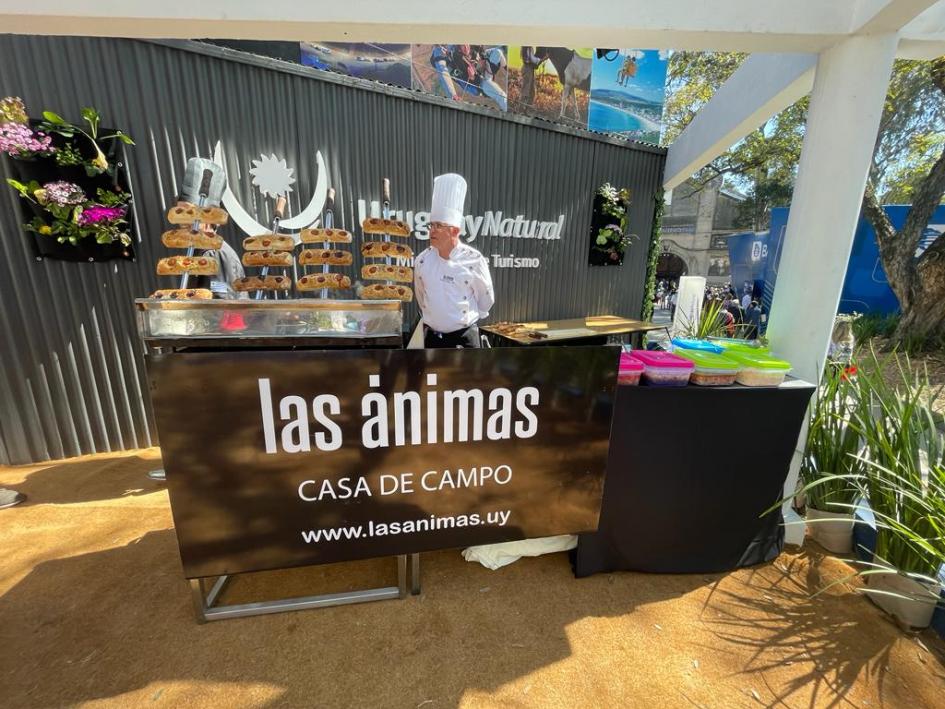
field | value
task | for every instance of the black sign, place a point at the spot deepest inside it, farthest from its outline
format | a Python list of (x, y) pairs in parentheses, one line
[(719, 242), (279, 459)]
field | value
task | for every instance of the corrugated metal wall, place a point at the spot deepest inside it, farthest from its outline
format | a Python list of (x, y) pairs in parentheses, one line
[(71, 374)]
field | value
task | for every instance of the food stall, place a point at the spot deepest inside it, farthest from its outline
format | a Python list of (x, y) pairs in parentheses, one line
[(257, 396), (298, 430)]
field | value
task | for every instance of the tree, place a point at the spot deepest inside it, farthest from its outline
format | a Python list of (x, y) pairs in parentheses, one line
[(763, 164), (919, 283), (766, 192), (908, 166)]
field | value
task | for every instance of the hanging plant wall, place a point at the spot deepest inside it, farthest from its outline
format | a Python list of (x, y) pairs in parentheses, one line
[(608, 236), (75, 199)]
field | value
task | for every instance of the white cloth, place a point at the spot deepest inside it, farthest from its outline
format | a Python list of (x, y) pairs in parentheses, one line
[(495, 556), (449, 193), (453, 293), (746, 301)]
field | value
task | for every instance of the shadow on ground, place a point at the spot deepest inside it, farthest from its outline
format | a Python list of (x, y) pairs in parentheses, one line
[(115, 623), (90, 479)]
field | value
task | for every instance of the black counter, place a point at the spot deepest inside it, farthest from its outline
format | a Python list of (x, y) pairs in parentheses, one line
[(689, 472)]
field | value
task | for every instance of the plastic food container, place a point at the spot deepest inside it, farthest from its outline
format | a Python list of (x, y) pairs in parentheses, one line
[(759, 370), (663, 368), (698, 345), (735, 345), (630, 370), (711, 369)]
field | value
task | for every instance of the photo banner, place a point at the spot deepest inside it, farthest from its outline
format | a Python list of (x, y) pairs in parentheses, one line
[(553, 83), (473, 73), (386, 63), (282, 459), (628, 89)]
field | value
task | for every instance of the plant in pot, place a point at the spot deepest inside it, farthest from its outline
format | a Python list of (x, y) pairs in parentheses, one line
[(831, 472), (714, 321), (905, 484), (76, 199), (609, 221)]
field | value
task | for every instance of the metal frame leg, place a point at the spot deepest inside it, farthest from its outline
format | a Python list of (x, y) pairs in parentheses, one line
[(205, 607), (415, 574)]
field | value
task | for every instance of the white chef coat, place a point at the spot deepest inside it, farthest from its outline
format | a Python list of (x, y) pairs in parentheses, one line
[(453, 293)]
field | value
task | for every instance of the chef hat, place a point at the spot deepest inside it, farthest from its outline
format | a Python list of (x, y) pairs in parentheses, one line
[(449, 193)]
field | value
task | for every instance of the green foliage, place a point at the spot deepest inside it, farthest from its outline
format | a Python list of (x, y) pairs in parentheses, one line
[(870, 325), (905, 475), (887, 407), (830, 469), (866, 326), (692, 78), (762, 195), (764, 163), (911, 131), (26, 191), (64, 222), (649, 292), (54, 123), (712, 323), (903, 178), (613, 239)]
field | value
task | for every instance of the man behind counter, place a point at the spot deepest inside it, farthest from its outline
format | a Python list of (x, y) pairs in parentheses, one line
[(451, 279)]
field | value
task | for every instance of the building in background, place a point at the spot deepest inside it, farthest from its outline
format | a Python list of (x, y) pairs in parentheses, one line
[(696, 226)]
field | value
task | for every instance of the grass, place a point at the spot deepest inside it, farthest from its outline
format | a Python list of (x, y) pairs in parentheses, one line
[(869, 325)]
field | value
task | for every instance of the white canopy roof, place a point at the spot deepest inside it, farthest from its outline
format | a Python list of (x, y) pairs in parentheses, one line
[(744, 25)]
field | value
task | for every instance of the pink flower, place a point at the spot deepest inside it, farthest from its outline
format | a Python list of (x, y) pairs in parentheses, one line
[(98, 213), (19, 140), (63, 194)]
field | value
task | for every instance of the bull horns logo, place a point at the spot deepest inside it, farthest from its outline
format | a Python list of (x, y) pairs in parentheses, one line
[(308, 217)]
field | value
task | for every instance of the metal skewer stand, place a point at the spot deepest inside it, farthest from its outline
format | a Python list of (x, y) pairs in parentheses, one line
[(274, 228), (328, 222), (195, 227), (385, 212)]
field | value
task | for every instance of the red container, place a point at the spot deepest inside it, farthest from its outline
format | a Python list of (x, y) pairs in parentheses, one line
[(630, 370), (663, 368)]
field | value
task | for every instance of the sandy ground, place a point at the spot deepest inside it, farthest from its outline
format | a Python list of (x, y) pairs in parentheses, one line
[(94, 612)]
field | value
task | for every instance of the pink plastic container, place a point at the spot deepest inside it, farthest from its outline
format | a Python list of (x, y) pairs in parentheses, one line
[(630, 370), (663, 368)]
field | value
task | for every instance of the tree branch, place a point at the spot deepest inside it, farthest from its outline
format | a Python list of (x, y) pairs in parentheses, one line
[(895, 255), (928, 194)]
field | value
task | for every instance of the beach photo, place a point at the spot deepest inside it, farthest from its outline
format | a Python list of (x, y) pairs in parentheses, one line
[(551, 82), (387, 63), (628, 87), (474, 73)]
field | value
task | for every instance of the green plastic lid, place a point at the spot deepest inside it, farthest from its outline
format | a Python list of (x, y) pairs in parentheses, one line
[(734, 345), (758, 360), (704, 359)]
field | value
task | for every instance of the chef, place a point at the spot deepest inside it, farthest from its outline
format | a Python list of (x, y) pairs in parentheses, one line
[(451, 279)]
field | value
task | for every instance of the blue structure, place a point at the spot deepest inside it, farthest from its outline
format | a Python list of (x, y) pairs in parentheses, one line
[(755, 257)]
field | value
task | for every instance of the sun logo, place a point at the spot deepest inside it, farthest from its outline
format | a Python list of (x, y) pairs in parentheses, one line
[(272, 176)]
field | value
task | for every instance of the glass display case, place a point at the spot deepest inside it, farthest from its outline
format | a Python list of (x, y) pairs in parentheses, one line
[(269, 322)]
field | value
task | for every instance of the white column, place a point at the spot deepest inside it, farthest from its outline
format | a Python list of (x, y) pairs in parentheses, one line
[(845, 108)]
